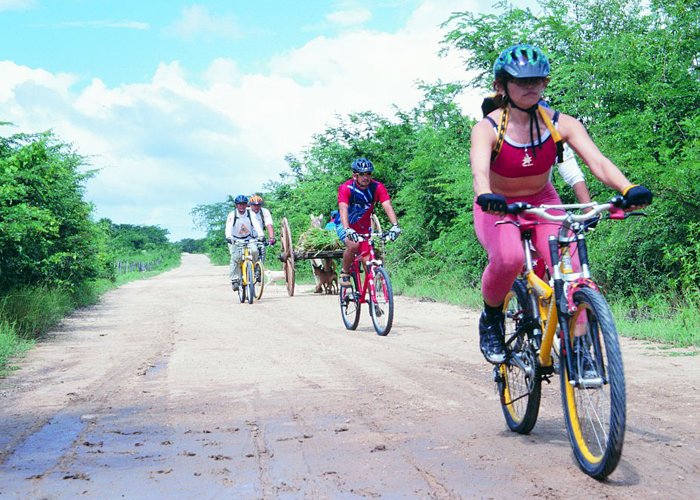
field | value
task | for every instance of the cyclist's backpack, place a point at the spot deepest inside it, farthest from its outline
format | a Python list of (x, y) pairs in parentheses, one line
[(501, 132), (364, 199)]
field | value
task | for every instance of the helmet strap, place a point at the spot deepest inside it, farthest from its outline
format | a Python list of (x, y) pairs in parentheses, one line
[(534, 125)]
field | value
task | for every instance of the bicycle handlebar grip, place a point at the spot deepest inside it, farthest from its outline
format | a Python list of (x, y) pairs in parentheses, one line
[(517, 207), (618, 201)]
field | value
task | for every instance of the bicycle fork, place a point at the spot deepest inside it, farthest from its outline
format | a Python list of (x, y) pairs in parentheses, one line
[(563, 294)]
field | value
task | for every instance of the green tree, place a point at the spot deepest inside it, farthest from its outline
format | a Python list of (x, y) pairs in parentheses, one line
[(46, 232), (630, 72)]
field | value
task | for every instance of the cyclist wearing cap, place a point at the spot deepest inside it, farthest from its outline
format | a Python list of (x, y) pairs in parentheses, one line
[(240, 232), (356, 200), (262, 218), (512, 153)]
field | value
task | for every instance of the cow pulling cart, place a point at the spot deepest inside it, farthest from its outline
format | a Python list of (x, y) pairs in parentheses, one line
[(289, 256)]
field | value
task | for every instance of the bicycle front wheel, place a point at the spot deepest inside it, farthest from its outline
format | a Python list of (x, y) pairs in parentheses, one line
[(519, 381), (350, 304), (250, 278), (259, 279), (241, 289), (593, 386), (381, 305)]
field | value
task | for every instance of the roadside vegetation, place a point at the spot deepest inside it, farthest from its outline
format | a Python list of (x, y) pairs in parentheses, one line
[(628, 71), (53, 257)]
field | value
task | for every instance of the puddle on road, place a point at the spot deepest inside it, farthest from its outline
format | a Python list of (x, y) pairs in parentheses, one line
[(155, 369), (40, 451)]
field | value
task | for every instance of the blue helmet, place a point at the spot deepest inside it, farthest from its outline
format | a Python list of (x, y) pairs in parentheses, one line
[(241, 198), (362, 165), (521, 61)]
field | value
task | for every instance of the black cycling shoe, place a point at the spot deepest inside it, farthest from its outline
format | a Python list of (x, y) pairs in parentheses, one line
[(257, 275), (234, 285), (491, 338)]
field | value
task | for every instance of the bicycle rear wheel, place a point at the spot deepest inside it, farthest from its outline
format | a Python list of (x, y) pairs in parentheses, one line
[(250, 278), (381, 306), (350, 304), (593, 391), (519, 380), (259, 269)]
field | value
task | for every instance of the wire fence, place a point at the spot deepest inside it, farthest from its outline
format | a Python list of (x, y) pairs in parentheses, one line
[(124, 267)]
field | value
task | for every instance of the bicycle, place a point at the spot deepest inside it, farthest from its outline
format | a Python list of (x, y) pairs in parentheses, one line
[(374, 290), (246, 288), (565, 327), (259, 269)]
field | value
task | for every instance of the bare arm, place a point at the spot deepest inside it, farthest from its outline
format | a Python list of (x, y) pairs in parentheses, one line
[(581, 192), (389, 209), (482, 142), (601, 167), (343, 209)]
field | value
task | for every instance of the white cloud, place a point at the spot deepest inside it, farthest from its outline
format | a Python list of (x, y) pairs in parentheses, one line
[(197, 21), (106, 23), (168, 144), (349, 17), (17, 4)]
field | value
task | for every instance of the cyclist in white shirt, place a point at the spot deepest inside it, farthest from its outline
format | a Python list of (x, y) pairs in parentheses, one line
[(240, 232)]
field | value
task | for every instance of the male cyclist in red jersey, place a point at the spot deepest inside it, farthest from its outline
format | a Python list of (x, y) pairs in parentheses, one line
[(356, 199)]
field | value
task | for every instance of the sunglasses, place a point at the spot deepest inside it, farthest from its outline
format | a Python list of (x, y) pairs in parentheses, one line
[(526, 82), (361, 174), (255, 204)]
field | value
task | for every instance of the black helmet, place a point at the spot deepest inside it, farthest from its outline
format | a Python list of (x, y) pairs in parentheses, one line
[(241, 198), (362, 165), (521, 61)]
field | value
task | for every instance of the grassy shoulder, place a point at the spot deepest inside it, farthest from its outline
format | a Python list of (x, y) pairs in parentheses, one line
[(28, 313), (655, 319)]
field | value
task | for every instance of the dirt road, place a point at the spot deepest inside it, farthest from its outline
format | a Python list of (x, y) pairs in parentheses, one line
[(171, 389)]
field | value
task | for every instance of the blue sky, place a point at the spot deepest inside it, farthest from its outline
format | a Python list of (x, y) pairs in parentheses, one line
[(180, 103)]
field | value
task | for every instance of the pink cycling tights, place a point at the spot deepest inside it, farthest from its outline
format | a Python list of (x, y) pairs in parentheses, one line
[(504, 246)]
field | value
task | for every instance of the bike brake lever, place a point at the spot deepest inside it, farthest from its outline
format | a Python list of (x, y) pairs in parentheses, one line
[(514, 222)]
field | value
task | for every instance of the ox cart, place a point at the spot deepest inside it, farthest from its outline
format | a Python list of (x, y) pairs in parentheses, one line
[(289, 257)]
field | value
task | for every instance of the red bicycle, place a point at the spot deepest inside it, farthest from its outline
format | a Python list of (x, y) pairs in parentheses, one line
[(374, 289)]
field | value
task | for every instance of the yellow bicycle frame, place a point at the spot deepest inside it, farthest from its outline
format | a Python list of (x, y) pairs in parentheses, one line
[(244, 262), (548, 315)]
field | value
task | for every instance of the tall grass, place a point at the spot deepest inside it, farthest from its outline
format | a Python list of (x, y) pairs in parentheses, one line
[(11, 345), (656, 318)]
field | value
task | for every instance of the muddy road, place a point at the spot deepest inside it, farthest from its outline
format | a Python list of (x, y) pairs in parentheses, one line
[(169, 388)]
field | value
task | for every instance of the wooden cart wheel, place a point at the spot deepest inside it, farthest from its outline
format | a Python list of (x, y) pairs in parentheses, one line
[(288, 253)]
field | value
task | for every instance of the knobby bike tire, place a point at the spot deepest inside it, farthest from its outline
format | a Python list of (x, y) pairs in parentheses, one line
[(260, 284), (250, 278), (520, 387), (595, 409), (241, 289), (381, 306), (350, 304)]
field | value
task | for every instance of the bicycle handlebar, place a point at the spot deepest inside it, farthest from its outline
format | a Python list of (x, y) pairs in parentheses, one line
[(613, 206), (368, 236)]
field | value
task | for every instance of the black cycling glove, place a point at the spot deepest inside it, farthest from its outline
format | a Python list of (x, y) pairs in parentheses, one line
[(637, 196), (492, 202)]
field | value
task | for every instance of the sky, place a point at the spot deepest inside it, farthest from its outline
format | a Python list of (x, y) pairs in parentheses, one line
[(182, 103)]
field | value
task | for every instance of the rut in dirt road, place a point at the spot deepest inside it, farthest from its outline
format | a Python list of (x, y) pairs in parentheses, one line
[(171, 388)]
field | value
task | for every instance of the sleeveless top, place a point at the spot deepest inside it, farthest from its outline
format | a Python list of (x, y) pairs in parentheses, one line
[(523, 160)]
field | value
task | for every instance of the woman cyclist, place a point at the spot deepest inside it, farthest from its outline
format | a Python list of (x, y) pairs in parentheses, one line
[(517, 168)]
